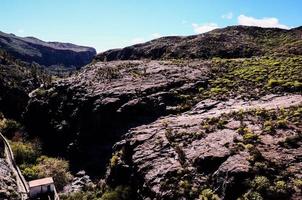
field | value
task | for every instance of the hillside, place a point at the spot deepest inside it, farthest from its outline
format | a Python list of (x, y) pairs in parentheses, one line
[(17, 80), (180, 129), (230, 42), (224, 125), (30, 49)]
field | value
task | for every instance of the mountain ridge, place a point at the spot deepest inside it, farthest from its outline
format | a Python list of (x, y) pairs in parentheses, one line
[(229, 42), (31, 49)]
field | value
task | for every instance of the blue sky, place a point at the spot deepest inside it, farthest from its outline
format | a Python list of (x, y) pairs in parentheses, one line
[(106, 24)]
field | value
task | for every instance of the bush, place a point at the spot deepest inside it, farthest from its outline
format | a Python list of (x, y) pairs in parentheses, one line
[(30, 172), (208, 194), (250, 137), (252, 196), (56, 168), (274, 83), (25, 153), (298, 183), (8, 127), (280, 187), (87, 195), (119, 193), (260, 183)]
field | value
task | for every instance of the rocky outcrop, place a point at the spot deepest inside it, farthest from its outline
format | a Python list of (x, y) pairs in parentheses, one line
[(80, 182), (230, 42), (84, 115), (8, 185), (217, 145), (181, 128), (48, 54)]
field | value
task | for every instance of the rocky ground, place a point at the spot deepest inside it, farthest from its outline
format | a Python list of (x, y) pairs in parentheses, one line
[(226, 125), (216, 129), (8, 186), (220, 147), (105, 100)]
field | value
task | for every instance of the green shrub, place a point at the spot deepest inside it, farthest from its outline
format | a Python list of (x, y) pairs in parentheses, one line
[(9, 127), (119, 193), (252, 196), (260, 183), (282, 123), (25, 153), (56, 168), (250, 137), (208, 194), (298, 183), (275, 83), (30, 173), (83, 195), (280, 187), (269, 126)]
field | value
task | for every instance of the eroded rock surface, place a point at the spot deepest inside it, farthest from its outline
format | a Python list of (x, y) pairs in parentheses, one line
[(183, 148), (89, 111)]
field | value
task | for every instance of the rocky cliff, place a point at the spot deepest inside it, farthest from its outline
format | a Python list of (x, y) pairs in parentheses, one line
[(207, 140), (217, 128), (30, 49), (230, 42)]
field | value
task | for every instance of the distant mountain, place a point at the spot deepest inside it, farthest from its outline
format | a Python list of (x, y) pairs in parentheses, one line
[(30, 49), (229, 42)]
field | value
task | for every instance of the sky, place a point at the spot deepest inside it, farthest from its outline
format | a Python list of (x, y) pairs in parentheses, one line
[(107, 24)]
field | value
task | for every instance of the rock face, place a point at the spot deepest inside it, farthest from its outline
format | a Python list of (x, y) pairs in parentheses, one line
[(31, 49), (8, 186), (230, 42), (84, 115), (178, 155), (183, 129), (174, 137)]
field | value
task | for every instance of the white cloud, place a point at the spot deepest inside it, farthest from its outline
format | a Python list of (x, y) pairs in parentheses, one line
[(137, 40), (204, 27), (227, 16), (264, 22), (156, 35)]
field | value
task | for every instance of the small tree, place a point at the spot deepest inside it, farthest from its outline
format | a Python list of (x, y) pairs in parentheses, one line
[(56, 168)]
